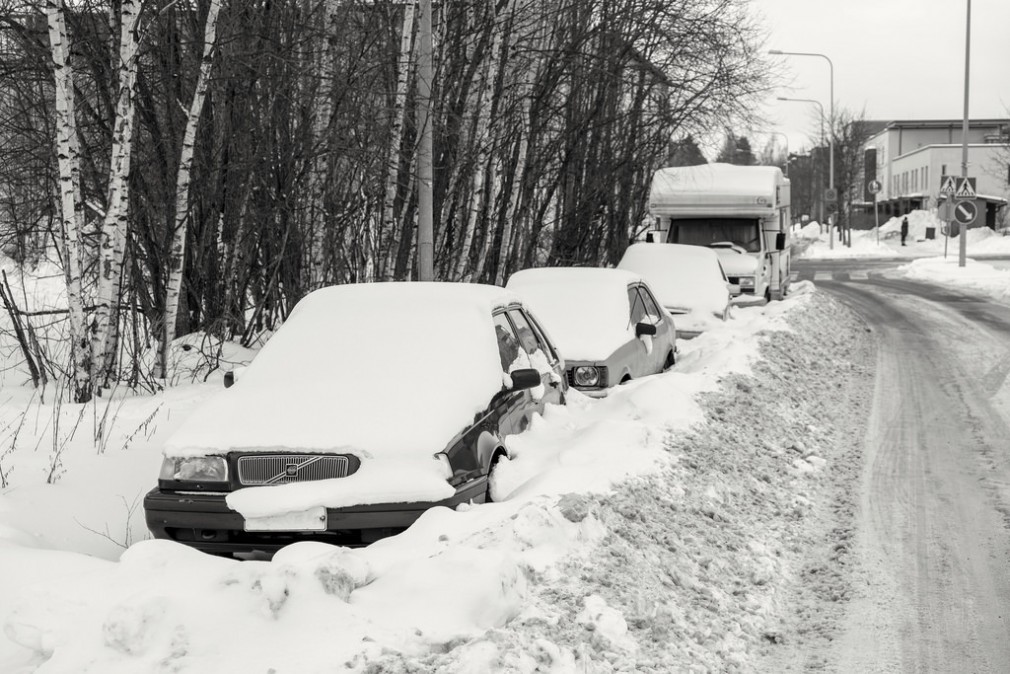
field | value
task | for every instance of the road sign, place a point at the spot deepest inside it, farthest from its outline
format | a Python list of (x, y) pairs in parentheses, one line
[(965, 212), (830, 195), (947, 210), (873, 186), (948, 185), (965, 188)]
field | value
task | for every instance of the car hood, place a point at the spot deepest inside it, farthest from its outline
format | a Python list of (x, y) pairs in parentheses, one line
[(737, 264), (374, 371)]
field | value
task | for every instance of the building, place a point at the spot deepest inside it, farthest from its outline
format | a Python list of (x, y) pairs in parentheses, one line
[(910, 159)]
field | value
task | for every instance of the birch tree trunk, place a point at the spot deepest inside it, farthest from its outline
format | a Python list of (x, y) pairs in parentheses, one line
[(177, 252), (71, 200), (480, 139), (396, 132), (320, 163), (105, 321)]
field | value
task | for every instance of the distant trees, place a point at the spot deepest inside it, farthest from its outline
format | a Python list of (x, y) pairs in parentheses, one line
[(686, 152), (226, 168), (736, 150)]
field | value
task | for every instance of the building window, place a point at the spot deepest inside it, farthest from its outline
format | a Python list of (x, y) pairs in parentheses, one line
[(943, 170), (925, 178)]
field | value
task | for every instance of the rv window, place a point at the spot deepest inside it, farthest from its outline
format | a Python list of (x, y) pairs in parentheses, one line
[(744, 232)]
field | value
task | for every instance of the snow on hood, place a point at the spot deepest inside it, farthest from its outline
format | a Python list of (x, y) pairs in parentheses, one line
[(391, 369), (585, 310), (683, 277), (737, 264)]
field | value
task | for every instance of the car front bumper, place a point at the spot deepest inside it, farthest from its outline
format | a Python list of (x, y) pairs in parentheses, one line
[(205, 522)]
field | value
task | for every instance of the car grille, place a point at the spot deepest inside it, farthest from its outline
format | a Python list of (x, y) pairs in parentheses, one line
[(286, 468)]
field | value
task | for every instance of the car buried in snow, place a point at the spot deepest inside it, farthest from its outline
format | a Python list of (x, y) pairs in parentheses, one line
[(607, 323), (372, 404), (689, 282)]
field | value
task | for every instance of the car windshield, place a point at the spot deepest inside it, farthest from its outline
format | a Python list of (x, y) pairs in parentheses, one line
[(744, 232)]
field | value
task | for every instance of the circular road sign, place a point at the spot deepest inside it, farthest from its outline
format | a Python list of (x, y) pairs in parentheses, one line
[(965, 212), (873, 186)]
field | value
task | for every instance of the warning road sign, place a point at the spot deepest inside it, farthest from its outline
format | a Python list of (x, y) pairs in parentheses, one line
[(965, 188), (948, 185)]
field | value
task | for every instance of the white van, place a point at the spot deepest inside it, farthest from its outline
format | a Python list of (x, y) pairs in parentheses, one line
[(742, 212)]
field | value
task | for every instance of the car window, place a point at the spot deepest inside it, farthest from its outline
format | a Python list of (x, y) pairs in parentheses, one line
[(545, 343), (638, 312), (651, 305), (531, 342), (512, 356)]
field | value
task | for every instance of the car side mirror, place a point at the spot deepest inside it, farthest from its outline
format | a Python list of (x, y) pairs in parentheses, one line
[(780, 241), (229, 378), (645, 329), (525, 378)]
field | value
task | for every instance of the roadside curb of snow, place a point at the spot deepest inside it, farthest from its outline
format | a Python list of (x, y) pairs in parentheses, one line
[(730, 555)]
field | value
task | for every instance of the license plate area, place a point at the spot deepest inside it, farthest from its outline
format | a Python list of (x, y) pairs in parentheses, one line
[(313, 519)]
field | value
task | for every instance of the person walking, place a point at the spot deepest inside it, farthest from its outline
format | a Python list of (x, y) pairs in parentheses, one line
[(904, 229)]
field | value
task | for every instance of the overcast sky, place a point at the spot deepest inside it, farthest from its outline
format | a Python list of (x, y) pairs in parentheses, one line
[(894, 59)]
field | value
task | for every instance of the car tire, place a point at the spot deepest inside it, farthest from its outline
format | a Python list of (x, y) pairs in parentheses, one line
[(498, 455), (626, 379)]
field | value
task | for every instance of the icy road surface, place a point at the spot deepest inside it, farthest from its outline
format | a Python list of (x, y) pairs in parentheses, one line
[(930, 591)]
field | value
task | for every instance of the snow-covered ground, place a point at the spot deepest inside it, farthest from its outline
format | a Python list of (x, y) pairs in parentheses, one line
[(887, 242), (663, 528), (653, 530), (927, 259)]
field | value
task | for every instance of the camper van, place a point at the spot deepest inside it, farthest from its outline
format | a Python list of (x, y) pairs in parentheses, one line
[(741, 212)]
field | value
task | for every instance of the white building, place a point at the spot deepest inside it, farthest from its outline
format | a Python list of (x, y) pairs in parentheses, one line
[(910, 159)]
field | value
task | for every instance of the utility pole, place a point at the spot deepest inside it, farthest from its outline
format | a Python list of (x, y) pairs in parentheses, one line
[(425, 178), (962, 256)]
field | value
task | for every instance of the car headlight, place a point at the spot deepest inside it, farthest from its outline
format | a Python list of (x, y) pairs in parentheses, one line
[(194, 469), (746, 281), (587, 375)]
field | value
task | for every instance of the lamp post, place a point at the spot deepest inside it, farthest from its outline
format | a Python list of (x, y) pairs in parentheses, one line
[(831, 102), (831, 157), (962, 252)]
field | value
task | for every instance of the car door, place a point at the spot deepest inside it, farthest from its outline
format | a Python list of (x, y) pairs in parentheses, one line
[(541, 356), (665, 340), (513, 407), (642, 354)]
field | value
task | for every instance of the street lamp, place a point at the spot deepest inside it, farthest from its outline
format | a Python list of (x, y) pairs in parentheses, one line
[(831, 139), (820, 108)]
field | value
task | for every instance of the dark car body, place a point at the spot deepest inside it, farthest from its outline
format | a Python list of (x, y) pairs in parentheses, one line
[(196, 512)]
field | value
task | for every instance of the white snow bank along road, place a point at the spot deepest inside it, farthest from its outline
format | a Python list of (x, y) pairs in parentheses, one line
[(676, 561)]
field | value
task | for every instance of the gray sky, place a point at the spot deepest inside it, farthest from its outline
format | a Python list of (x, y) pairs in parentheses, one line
[(895, 59)]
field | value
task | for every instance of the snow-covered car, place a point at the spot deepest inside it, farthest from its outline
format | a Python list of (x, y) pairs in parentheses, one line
[(606, 322), (371, 404), (689, 282)]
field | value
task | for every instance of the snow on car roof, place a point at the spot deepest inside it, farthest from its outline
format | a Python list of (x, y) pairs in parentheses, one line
[(682, 276), (377, 368), (727, 184), (585, 309)]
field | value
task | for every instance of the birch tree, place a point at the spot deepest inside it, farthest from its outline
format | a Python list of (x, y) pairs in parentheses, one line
[(71, 199), (177, 250), (396, 127), (112, 238)]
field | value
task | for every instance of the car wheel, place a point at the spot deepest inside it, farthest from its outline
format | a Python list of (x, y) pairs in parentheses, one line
[(626, 379), (489, 491)]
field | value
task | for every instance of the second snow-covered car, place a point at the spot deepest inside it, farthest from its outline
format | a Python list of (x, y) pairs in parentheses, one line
[(372, 403), (607, 323), (689, 282)]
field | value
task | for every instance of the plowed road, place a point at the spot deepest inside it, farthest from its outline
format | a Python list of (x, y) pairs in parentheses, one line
[(932, 590)]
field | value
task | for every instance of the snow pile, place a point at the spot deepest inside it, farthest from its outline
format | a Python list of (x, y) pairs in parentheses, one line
[(655, 530), (887, 242), (973, 276), (811, 230)]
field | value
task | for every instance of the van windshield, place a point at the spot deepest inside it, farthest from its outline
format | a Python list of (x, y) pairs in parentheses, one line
[(744, 232)]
